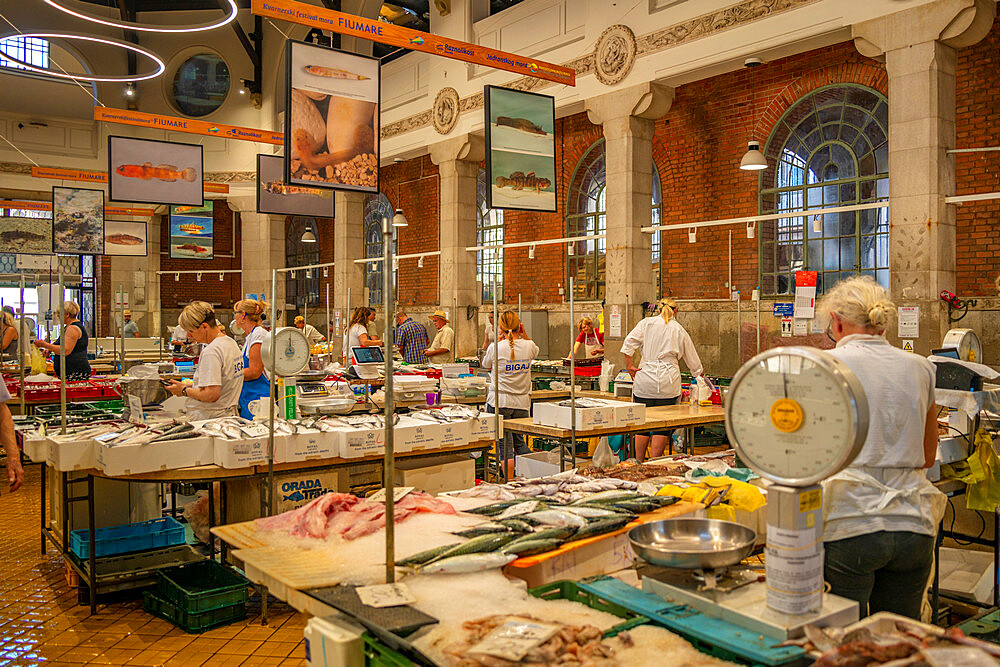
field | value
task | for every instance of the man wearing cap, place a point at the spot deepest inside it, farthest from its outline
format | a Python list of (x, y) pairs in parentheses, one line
[(130, 329), (311, 333), (442, 349)]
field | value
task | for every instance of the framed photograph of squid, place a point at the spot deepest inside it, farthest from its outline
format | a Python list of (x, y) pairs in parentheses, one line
[(520, 150), (277, 197), (125, 238), (331, 118), (155, 172), (77, 221)]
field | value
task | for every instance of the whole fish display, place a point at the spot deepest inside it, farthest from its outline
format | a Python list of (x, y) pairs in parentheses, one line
[(163, 172), (279, 188), (521, 181), (334, 73), (562, 488), (12, 236), (522, 124), (468, 563), (123, 239)]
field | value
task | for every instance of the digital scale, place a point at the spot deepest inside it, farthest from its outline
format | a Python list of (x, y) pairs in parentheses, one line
[(367, 362), (795, 416), (315, 398)]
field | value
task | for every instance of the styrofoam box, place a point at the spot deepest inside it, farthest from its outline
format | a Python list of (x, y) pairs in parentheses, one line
[(482, 427), (36, 448), (558, 416), (412, 434), (73, 455), (334, 642), (308, 446), (967, 574), (454, 434), (247, 452), (436, 474), (610, 554), (541, 464), (165, 455)]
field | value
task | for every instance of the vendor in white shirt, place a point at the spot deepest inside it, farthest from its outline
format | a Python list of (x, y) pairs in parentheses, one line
[(662, 342), (311, 333), (218, 379), (179, 338), (357, 332), (881, 513), (512, 356)]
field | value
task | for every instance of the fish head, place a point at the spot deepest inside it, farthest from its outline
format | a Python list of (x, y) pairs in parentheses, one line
[(121, 169)]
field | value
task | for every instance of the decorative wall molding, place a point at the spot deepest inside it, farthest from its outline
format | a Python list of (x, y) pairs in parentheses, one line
[(615, 54)]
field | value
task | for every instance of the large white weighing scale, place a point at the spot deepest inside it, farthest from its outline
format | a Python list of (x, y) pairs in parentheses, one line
[(795, 416)]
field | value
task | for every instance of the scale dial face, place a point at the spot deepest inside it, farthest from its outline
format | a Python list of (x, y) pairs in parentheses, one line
[(796, 415), (291, 351), (967, 342)]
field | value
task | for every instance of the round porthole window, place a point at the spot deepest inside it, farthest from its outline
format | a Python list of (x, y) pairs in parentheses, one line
[(200, 84)]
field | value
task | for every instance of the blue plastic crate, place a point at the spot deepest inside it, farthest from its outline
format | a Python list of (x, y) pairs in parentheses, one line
[(152, 534)]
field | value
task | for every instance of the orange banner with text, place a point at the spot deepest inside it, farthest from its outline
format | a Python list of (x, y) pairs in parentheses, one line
[(187, 125), (47, 206), (100, 177), (415, 40)]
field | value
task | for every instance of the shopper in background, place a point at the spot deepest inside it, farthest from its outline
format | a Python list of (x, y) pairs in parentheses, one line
[(130, 329), (247, 315), (357, 330), (592, 341), (179, 338), (312, 333), (662, 343), (442, 349), (881, 513), (512, 359), (76, 365), (218, 378), (411, 339), (490, 335), (15, 472), (8, 336)]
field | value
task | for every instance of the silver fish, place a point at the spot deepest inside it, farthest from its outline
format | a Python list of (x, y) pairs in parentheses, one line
[(591, 512), (468, 563), (554, 517)]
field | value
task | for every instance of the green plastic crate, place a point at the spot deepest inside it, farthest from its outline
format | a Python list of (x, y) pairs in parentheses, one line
[(570, 590), (378, 654), (202, 586), (193, 623)]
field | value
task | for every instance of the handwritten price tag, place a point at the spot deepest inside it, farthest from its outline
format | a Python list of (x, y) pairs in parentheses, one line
[(398, 493), (385, 595)]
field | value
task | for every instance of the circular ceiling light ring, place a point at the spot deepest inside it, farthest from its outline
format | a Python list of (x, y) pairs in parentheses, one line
[(161, 67), (149, 27)]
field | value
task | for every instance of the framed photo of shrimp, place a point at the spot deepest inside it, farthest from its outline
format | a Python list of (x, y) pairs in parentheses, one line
[(331, 118), (520, 150), (276, 197), (77, 221), (155, 172)]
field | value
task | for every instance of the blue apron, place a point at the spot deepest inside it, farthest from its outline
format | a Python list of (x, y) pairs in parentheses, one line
[(252, 389)]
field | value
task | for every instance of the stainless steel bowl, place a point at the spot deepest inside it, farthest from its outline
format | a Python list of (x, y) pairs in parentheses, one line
[(692, 544), (311, 376), (149, 390)]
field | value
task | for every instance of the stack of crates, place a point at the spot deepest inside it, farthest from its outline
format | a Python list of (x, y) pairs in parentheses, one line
[(199, 596)]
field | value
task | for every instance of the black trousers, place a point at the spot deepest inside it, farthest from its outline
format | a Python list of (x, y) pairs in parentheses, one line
[(512, 440)]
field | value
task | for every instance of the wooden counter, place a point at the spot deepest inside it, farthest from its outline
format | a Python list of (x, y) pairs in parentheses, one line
[(658, 418)]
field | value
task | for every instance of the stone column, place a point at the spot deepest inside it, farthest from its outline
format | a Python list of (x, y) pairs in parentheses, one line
[(627, 117), (138, 277), (263, 249), (348, 245), (458, 166), (918, 46)]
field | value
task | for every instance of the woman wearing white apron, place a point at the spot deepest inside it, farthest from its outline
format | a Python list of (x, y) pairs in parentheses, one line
[(881, 513), (662, 343), (592, 341), (218, 378)]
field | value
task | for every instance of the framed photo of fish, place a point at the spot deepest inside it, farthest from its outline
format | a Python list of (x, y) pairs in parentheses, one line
[(26, 236), (125, 238), (155, 172), (331, 118), (77, 221), (191, 232), (520, 150), (276, 197)]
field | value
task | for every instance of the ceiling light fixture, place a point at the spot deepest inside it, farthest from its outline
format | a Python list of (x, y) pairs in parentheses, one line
[(420, 262), (570, 249), (230, 16), (198, 276), (177, 277), (692, 234), (326, 271), (130, 89), (160, 67), (753, 159), (308, 237), (220, 276), (817, 224), (751, 228), (399, 220), (531, 252)]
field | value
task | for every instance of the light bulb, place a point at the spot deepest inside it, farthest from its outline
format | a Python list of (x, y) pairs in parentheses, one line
[(692, 234), (531, 252), (751, 228)]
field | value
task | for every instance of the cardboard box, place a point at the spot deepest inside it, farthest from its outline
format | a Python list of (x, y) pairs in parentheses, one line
[(627, 414), (357, 442), (483, 427), (967, 574), (411, 434), (454, 434), (308, 446), (601, 557), (247, 452), (542, 464), (559, 416), (167, 455), (295, 489), (437, 474), (73, 455)]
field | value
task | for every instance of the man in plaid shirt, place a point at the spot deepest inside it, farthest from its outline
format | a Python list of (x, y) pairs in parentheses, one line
[(411, 339)]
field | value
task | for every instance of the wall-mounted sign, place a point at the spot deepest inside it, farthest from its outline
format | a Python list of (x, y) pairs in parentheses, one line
[(47, 206), (77, 221), (192, 232)]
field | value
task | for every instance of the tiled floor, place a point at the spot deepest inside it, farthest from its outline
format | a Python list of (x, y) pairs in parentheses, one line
[(40, 620)]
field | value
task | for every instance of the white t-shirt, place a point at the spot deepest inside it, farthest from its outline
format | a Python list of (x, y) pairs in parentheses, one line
[(354, 335), (515, 374), (661, 345), (885, 487), (312, 334), (179, 334), (489, 333), (255, 337), (219, 365)]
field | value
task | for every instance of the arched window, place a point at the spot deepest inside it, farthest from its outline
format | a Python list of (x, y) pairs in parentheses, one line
[(586, 207), (829, 149), (377, 207), (32, 50), (489, 231), (302, 287)]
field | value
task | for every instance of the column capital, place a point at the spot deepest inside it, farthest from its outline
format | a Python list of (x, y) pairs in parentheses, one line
[(647, 100), (468, 147), (243, 204), (955, 23)]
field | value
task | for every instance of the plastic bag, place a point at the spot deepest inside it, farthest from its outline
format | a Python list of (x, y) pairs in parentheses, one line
[(603, 456), (984, 493), (196, 513), (37, 361)]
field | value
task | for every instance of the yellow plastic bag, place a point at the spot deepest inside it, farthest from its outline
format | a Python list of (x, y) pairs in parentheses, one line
[(741, 495), (984, 494), (37, 361)]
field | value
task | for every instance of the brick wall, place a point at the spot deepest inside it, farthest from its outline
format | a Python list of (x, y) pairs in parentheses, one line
[(977, 100), (174, 294), (415, 187)]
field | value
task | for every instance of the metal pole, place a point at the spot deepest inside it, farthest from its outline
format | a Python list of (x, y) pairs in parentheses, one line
[(272, 386), (22, 341), (121, 325), (329, 330), (739, 331), (389, 463), (572, 385), (625, 330), (347, 316), (62, 372), (501, 449), (518, 313), (758, 320), (454, 318)]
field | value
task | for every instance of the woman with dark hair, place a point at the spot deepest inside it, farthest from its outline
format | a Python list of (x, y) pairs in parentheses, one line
[(357, 331)]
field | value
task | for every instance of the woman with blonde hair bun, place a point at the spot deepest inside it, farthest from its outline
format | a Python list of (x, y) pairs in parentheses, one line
[(218, 379), (247, 315), (881, 513), (510, 356)]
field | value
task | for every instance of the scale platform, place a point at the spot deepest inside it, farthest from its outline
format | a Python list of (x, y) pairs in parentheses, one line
[(743, 603)]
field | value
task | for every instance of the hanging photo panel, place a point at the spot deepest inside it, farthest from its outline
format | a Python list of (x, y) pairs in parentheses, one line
[(331, 118), (191, 232), (277, 197), (26, 236), (77, 221), (125, 238), (520, 150), (155, 172)]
